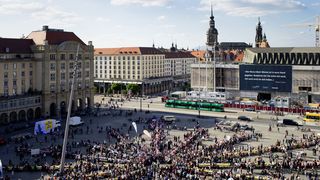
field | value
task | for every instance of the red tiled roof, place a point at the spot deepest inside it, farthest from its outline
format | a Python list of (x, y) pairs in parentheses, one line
[(127, 50), (60, 37), (15, 45), (173, 55), (53, 37)]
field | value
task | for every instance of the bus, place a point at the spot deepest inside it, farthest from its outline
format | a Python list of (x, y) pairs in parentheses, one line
[(312, 117), (206, 106)]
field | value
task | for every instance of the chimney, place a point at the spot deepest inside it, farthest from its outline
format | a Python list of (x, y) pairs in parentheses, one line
[(89, 43), (45, 28)]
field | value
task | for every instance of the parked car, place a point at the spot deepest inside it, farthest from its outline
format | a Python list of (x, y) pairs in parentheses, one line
[(290, 122), (249, 109), (244, 118)]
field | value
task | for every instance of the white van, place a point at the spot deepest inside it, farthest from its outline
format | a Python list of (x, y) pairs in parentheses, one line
[(169, 119)]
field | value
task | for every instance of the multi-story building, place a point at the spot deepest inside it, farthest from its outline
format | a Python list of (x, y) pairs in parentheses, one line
[(18, 98), (155, 70), (42, 66), (135, 65), (178, 66), (266, 73)]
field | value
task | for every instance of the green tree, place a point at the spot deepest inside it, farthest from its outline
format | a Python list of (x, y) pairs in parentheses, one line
[(134, 88)]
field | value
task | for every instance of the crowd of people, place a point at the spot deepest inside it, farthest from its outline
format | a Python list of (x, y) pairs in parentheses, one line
[(188, 157), (172, 157)]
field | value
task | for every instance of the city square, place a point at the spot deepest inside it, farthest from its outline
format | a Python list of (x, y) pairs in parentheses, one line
[(94, 132), (160, 90)]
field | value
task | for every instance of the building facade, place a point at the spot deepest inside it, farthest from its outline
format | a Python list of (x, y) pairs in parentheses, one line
[(304, 62), (144, 66), (154, 70), (19, 101), (178, 66), (45, 74)]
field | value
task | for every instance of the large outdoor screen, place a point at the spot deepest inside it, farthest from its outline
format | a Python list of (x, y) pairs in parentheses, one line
[(265, 78)]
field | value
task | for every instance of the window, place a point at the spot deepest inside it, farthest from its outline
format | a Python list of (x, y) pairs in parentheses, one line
[(71, 65), (52, 66), (30, 73), (62, 56), (30, 65), (87, 65), (63, 76), (79, 65), (52, 76), (80, 56), (5, 75), (87, 74), (52, 87), (70, 75), (5, 66), (14, 82), (52, 57), (23, 65), (5, 83), (14, 74), (22, 73), (14, 66), (79, 74), (63, 66), (71, 56)]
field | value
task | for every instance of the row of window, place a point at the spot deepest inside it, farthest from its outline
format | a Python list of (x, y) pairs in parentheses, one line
[(15, 65), (63, 75), (14, 74), (117, 76), (71, 57), (17, 103), (78, 85), (128, 57), (71, 64)]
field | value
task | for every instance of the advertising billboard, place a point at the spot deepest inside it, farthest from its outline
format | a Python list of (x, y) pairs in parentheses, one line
[(269, 78)]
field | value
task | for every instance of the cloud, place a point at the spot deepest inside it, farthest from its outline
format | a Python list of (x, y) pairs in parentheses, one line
[(141, 2), (161, 18), (249, 8), (54, 16), (18, 7)]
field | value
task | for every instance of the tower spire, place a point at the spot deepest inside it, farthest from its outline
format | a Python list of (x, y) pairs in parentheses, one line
[(211, 17)]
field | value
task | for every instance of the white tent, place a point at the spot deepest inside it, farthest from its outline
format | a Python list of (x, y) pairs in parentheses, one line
[(75, 121)]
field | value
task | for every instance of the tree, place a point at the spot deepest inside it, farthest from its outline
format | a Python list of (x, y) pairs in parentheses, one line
[(134, 88), (117, 87)]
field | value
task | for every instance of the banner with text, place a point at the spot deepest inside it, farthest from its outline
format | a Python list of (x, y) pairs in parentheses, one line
[(268, 78)]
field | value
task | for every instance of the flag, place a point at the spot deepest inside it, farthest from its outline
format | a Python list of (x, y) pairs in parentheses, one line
[(1, 171), (135, 126), (147, 133)]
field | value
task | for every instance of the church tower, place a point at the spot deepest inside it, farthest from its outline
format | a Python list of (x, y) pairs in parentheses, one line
[(259, 38), (212, 34)]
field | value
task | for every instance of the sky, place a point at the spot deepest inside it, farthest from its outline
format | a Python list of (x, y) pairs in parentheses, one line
[(123, 23)]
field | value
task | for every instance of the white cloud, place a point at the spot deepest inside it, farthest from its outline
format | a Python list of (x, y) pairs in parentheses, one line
[(161, 18), (54, 16), (249, 8), (141, 2), (38, 10), (18, 7)]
